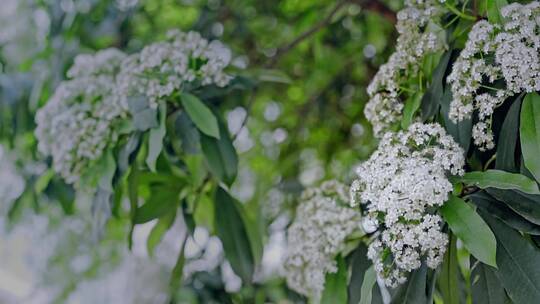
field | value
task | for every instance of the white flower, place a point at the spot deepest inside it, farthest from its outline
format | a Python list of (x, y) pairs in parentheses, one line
[(322, 224), (508, 52), (399, 186), (416, 40), (162, 68), (76, 124)]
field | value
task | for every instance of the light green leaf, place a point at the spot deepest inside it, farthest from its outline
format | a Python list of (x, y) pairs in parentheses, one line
[(529, 130), (231, 230), (155, 139), (335, 285), (370, 278), (201, 115), (43, 181), (494, 10), (411, 107), (517, 258), (469, 227), (448, 278), (277, 76), (500, 180)]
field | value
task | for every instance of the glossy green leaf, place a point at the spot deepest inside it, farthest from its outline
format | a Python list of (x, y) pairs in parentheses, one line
[(359, 264), (501, 211), (485, 285), (370, 278), (155, 139), (201, 115), (500, 180), (526, 205), (508, 139), (469, 227), (231, 230), (529, 130), (517, 258), (220, 156), (460, 131), (335, 285)]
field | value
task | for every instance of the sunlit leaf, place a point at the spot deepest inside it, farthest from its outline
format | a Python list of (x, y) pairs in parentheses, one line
[(201, 115), (500, 180)]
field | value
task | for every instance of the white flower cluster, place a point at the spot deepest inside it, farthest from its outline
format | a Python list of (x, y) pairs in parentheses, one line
[(162, 68), (493, 52), (417, 38), (75, 126), (78, 122), (323, 222), (400, 186)]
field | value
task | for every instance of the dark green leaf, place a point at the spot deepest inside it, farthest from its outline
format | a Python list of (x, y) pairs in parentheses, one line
[(183, 133), (529, 130), (503, 212), (221, 156), (155, 139), (231, 230), (201, 115), (359, 264), (370, 278), (416, 290), (335, 286), (460, 131), (517, 258), (485, 285), (508, 137), (469, 227), (500, 180), (432, 98), (449, 276), (162, 201), (526, 205)]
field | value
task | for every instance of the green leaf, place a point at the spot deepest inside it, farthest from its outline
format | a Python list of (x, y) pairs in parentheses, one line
[(220, 156), (529, 130), (517, 258), (501, 211), (485, 286), (449, 276), (494, 10), (500, 180), (43, 181), (370, 278), (508, 137), (158, 231), (201, 115), (231, 230), (411, 107), (359, 264), (469, 227), (277, 76), (155, 139), (432, 98), (460, 131), (335, 286), (162, 201), (526, 205), (415, 290), (143, 116), (176, 275)]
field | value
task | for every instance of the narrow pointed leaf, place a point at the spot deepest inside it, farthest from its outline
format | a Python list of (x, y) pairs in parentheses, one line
[(508, 139), (529, 130), (500, 180), (485, 286), (526, 205), (469, 227), (220, 156), (155, 139), (335, 286)]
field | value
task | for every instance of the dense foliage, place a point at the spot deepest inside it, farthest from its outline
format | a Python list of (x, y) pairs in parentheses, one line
[(156, 151)]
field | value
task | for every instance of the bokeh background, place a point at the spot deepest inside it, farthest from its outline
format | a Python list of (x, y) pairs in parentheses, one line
[(299, 122)]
